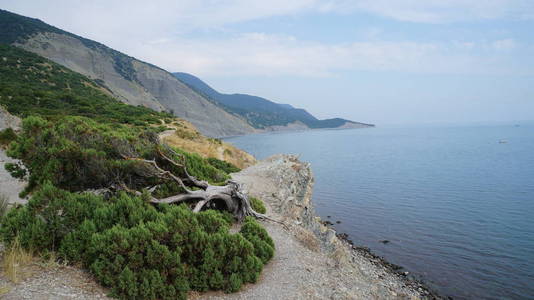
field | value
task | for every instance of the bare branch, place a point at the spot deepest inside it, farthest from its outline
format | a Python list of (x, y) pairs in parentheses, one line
[(198, 183)]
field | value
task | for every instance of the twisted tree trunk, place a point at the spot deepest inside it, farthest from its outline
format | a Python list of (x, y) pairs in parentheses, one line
[(229, 197)]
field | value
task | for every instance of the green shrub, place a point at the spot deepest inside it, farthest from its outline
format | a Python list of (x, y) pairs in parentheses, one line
[(4, 204), (77, 153), (223, 165), (202, 169), (138, 250), (7, 136), (260, 239), (33, 85), (257, 205)]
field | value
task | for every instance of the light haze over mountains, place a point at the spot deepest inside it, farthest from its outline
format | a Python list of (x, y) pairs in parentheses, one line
[(371, 61)]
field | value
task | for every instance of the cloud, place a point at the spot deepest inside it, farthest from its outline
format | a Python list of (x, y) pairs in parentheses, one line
[(146, 17), (504, 45), (436, 11), (190, 35), (142, 17), (277, 55)]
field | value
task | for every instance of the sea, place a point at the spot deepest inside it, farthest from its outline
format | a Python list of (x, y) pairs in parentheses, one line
[(454, 202)]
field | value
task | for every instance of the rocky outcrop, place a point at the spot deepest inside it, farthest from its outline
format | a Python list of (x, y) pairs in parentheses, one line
[(9, 186), (328, 265), (295, 126), (286, 184), (7, 120), (350, 124), (135, 82)]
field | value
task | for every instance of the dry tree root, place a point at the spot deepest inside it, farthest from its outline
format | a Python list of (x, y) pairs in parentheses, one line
[(229, 197)]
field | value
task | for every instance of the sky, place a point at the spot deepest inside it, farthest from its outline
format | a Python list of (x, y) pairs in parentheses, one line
[(375, 61)]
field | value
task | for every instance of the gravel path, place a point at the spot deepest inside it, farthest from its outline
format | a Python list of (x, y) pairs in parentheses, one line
[(53, 283), (302, 267)]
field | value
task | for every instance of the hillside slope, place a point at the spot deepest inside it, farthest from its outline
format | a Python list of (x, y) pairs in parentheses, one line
[(33, 85), (263, 113), (128, 79)]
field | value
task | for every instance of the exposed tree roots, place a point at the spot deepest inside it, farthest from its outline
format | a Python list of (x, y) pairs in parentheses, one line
[(198, 194)]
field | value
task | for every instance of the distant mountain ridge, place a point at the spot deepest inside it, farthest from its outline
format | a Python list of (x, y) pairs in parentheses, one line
[(142, 84), (262, 113)]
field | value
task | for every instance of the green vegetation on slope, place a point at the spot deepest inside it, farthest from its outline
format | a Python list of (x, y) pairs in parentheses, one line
[(259, 112), (7, 136), (17, 28), (77, 153), (76, 137), (33, 85), (223, 165), (141, 251), (257, 205)]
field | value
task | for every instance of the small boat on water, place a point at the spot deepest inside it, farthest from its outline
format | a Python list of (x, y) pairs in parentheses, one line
[(503, 141)]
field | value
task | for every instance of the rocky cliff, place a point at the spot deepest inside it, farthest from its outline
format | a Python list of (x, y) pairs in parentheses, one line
[(312, 261)]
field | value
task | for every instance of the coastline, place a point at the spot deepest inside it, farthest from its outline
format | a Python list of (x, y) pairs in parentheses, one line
[(291, 130), (286, 184)]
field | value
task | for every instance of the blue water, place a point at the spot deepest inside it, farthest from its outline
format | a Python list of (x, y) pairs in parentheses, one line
[(457, 205)]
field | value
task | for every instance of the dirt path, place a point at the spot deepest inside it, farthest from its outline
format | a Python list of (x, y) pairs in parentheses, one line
[(304, 266)]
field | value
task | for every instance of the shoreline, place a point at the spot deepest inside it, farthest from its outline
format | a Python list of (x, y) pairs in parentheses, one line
[(285, 184), (263, 131), (415, 283)]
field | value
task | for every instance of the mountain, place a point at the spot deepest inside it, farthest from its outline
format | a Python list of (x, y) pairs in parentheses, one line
[(33, 85), (262, 113), (142, 84), (126, 78)]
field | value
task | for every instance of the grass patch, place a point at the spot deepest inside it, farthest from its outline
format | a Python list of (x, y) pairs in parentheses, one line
[(14, 260), (4, 290), (7, 136), (257, 205), (4, 205)]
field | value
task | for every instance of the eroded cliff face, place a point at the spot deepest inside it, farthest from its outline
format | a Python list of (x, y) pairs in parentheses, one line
[(95, 64), (286, 185), (335, 269), (135, 82), (207, 117)]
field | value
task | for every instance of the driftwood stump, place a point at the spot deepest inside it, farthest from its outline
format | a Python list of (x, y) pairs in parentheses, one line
[(198, 194)]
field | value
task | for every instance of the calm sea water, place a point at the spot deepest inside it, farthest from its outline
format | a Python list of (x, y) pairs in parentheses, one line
[(456, 205)]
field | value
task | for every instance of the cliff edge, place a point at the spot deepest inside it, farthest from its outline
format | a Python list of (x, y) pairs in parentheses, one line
[(310, 261)]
